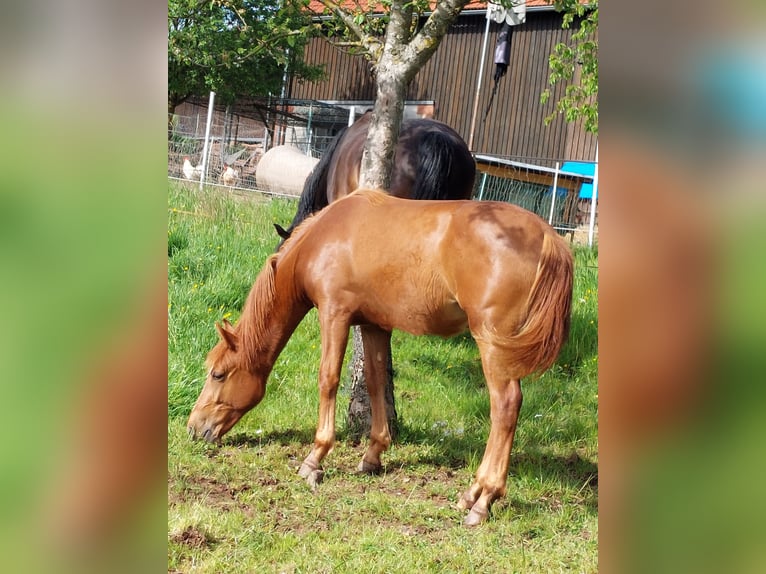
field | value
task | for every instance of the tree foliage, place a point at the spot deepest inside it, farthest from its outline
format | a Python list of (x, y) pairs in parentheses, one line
[(234, 47), (575, 64)]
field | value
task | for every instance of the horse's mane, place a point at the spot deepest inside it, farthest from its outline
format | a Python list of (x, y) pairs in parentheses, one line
[(260, 301), (258, 306)]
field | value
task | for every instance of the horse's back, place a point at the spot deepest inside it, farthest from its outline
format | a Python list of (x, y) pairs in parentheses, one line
[(375, 224)]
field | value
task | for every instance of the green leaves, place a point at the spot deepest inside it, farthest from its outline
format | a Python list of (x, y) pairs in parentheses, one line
[(576, 64), (234, 47)]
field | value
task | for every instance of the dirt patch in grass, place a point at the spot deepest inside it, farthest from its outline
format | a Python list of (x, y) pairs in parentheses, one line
[(212, 492), (193, 537)]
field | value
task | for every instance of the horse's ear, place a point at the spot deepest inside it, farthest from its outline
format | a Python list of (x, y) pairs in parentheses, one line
[(227, 334), (281, 231)]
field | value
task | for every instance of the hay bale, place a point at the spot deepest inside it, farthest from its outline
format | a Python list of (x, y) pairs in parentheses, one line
[(283, 169)]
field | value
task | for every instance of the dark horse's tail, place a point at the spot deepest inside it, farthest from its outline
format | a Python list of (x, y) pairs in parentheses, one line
[(445, 170), (314, 194)]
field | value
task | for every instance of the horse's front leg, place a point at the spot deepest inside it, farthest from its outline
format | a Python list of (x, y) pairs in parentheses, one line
[(334, 341), (377, 346)]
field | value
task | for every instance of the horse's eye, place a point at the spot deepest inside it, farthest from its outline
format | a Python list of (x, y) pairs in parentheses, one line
[(218, 375)]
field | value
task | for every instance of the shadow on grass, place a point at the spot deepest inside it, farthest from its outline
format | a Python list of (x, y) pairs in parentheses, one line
[(456, 450), (284, 437)]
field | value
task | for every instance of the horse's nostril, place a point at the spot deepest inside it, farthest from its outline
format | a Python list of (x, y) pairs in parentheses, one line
[(208, 435)]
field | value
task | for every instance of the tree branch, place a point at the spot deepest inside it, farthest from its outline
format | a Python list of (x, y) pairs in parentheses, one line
[(400, 19), (425, 42), (373, 46)]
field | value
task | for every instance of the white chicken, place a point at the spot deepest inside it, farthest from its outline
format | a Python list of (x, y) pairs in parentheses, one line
[(230, 175), (190, 171)]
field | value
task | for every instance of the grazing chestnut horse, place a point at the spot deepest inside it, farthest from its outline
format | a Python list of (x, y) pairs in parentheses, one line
[(427, 267), (431, 161)]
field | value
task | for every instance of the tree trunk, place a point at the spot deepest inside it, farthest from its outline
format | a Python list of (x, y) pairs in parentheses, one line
[(402, 56), (359, 415), (376, 172), (377, 161)]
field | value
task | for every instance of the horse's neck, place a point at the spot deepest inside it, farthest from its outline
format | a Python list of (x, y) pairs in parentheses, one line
[(267, 324)]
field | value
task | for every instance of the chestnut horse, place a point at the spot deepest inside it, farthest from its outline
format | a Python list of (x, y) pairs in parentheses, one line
[(427, 267), (431, 161)]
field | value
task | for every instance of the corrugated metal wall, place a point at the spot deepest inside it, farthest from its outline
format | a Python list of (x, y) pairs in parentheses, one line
[(514, 126)]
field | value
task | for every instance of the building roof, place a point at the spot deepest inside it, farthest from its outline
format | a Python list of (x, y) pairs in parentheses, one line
[(317, 7)]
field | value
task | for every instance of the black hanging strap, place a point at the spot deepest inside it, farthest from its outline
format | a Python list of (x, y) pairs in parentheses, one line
[(502, 60)]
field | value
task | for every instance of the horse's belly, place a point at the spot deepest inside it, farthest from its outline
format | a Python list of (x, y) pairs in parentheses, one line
[(446, 321)]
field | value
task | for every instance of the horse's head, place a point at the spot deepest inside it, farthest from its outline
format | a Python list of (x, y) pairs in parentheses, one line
[(230, 390)]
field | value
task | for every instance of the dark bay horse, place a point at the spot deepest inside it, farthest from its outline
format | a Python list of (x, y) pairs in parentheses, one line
[(431, 161), (427, 267)]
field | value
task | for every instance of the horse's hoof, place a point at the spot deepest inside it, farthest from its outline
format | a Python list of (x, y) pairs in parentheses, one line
[(369, 468), (314, 478), (475, 517), (465, 503), (306, 469)]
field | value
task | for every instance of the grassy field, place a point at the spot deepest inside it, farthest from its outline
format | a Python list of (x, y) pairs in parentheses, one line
[(240, 506)]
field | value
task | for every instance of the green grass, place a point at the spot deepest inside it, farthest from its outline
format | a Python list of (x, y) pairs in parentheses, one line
[(240, 506)]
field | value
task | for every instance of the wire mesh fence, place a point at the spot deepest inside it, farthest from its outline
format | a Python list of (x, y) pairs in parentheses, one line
[(239, 135), (530, 183)]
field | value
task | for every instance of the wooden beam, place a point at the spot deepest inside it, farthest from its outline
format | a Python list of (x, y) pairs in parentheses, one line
[(521, 174)]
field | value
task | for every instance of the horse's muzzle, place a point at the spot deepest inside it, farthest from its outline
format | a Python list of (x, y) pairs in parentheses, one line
[(207, 434)]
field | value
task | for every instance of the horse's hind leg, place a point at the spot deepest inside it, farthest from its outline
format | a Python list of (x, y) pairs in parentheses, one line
[(376, 344), (505, 403)]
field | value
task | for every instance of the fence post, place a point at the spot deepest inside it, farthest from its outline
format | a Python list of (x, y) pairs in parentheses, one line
[(203, 175), (308, 130), (593, 200), (483, 183), (478, 80), (553, 194)]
